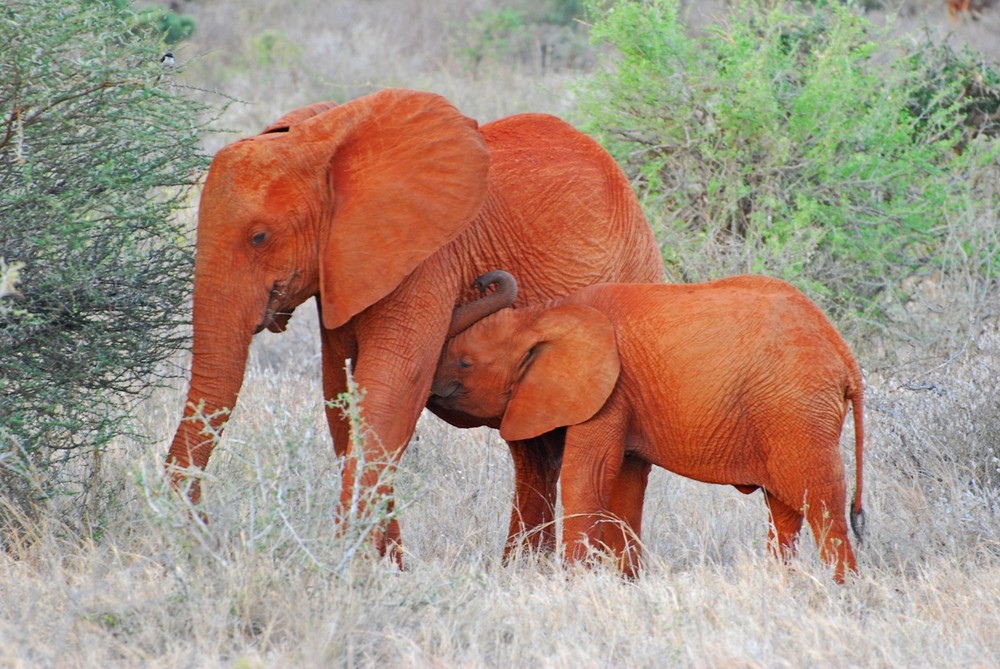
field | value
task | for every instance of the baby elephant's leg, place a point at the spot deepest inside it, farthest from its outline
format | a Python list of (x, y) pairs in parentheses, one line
[(806, 477), (592, 461), (786, 522), (828, 520), (821, 500), (536, 475), (622, 534)]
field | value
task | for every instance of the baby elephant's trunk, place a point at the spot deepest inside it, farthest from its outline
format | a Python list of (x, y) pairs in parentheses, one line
[(501, 298)]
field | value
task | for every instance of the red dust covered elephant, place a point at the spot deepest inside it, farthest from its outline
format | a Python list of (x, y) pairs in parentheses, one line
[(741, 381), (385, 209)]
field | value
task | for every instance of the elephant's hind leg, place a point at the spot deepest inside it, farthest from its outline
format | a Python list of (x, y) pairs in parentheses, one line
[(806, 478), (786, 522), (827, 520)]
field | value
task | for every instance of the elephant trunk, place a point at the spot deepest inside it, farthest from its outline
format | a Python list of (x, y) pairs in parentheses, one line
[(222, 334), (504, 296)]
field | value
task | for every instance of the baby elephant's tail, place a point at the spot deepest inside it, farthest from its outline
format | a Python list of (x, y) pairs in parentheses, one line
[(854, 394)]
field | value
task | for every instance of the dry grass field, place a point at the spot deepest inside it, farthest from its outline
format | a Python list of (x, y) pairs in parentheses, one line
[(268, 583)]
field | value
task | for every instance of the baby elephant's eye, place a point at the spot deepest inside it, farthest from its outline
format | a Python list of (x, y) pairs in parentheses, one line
[(464, 364), (258, 239)]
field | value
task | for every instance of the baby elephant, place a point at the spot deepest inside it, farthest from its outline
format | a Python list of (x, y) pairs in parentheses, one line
[(741, 381)]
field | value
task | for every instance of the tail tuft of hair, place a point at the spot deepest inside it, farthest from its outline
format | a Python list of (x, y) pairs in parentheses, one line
[(858, 523)]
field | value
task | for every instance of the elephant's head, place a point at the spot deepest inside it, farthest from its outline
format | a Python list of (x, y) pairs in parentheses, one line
[(540, 368), (342, 202)]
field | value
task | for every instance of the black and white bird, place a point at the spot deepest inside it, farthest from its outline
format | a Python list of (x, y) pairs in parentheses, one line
[(167, 60)]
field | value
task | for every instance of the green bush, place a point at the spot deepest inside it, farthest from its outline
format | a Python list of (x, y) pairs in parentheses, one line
[(170, 26), (175, 27), (777, 143), (99, 147), (942, 77)]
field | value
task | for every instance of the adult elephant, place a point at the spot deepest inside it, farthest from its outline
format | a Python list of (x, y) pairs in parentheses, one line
[(385, 209)]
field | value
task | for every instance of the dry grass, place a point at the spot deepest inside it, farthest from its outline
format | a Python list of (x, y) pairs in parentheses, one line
[(272, 59), (269, 584)]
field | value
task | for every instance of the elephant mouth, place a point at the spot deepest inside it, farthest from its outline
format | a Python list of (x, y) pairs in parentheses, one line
[(279, 321), (445, 393), (275, 316)]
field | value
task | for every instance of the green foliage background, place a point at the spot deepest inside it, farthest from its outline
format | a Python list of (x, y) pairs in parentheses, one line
[(782, 142), (98, 149)]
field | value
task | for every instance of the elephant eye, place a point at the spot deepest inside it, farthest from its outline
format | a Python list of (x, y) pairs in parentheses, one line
[(464, 364), (258, 239)]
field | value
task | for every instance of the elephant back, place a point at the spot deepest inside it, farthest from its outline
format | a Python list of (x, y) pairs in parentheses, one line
[(560, 213)]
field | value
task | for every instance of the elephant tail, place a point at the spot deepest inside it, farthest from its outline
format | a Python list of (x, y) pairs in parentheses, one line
[(854, 394)]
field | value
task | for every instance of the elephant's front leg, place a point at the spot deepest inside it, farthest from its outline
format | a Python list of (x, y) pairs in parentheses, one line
[(536, 475), (339, 346), (376, 437), (623, 534), (393, 369), (592, 461)]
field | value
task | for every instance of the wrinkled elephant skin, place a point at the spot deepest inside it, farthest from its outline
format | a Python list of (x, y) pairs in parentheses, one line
[(386, 209), (741, 381)]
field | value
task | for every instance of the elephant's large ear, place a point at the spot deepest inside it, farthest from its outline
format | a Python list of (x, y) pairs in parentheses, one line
[(407, 175), (567, 374)]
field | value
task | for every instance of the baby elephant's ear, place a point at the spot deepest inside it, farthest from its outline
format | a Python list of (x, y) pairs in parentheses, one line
[(567, 375)]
